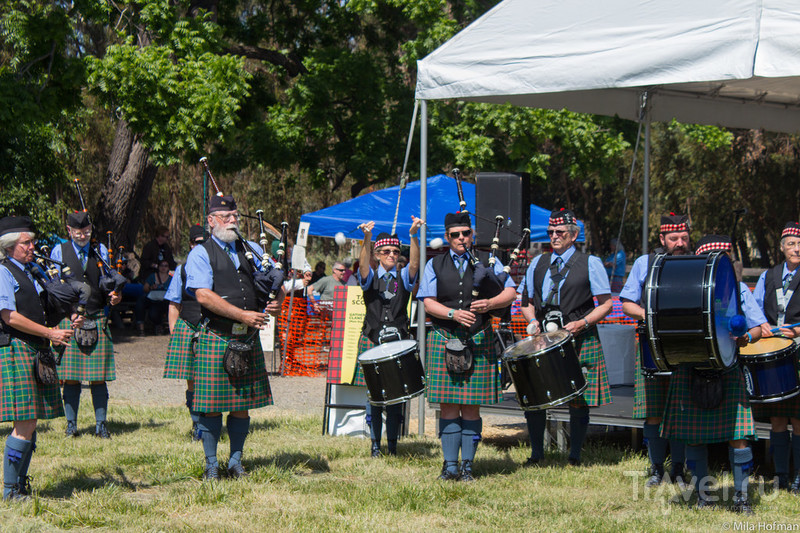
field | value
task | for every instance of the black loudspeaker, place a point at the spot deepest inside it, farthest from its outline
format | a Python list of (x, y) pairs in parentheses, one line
[(507, 195)]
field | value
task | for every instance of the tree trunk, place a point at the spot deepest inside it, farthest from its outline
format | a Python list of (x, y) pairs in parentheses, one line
[(128, 182)]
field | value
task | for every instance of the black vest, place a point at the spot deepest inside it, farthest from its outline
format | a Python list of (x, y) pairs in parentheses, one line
[(190, 307), (90, 275), (454, 291), (774, 281), (29, 305), (381, 312), (576, 300), (234, 285)]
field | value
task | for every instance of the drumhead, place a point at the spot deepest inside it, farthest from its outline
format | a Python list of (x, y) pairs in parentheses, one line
[(388, 350), (726, 304), (766, 345), (536, 344)]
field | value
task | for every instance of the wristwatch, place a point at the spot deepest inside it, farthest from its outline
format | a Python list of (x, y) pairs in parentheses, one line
[(450, 313)]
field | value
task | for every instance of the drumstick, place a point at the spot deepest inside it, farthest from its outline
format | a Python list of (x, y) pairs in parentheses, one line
[(776, 330)]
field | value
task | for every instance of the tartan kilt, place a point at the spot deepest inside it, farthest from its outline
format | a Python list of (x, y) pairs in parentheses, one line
[(649, 393), (479, 386), (364, 344), (684, 421), (789, 408), (97, 364), (180, 358), (21, 396), (214, 390), (590, 354)]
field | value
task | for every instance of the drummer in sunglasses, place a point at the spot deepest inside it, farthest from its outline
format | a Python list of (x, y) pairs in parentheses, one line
[(775, 294), (731, 420), (561, 288), (461, 364), (386, 294)]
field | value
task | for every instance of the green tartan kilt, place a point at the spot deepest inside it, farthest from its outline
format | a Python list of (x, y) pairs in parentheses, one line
[(364, 344), (479, 386), (649, 393), (590, 354), (96, 364), (789, 408), (21, 396), (180, 358), (684, 421), (214, 390)]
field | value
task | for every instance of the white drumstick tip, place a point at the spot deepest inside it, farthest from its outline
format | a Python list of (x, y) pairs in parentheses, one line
[(340, 238), (551, 327), (436, 243)]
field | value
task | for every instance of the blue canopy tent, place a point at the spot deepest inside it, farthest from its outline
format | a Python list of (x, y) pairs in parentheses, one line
[(380, 206)]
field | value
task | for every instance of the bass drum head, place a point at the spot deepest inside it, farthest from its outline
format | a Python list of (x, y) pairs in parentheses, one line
[(536, 344), (725, 305), (382, 352)]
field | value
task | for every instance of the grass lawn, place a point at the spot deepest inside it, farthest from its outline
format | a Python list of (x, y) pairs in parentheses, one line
[(147, 478)]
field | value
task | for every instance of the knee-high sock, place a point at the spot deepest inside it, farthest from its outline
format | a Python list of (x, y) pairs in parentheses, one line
[(796, 452), (374, 420), (779, 444), (470, 437), (697, 461), (656, 445), (450, 433), (677, 451), (536, 421), (190, 405), (578, 425), (742, 465), (26, 461), (394, 415), (100, 401), (237, 433), (15, 452), (210, 429), (72, 401)]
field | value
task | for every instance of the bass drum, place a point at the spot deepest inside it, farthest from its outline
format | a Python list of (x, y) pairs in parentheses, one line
[(646, 364), (769, 367), (545, 370), (689, 303), (393, 372)]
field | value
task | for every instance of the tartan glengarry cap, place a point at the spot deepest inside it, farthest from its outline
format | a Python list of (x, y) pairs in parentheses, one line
[(197, 234), (384, 239), (78, 219), (713, 243), (16, 225), (221, 203), (457, 219), (671, 223), (791, 228), (561, 217)]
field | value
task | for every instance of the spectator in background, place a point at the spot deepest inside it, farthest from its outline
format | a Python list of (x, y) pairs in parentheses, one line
[(615, 265), (327, 285), (300, 283), (352, 279), (347, 270), (319, 272), (155, 251)]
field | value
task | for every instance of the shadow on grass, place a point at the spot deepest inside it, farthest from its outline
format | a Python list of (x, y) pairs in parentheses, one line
[(416, 449), (268, 423), (77, 481), (288, 461)]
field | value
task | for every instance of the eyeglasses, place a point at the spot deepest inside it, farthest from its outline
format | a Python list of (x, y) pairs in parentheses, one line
[(456, 234), (229, 216), (559, 232), (28, 242), (82, 233), (338, 270), (389, 252)]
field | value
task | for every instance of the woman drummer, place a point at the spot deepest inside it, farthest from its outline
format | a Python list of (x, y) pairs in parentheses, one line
[(386, 295)]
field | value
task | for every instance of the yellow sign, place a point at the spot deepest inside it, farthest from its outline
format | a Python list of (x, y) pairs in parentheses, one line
[(354, 322)]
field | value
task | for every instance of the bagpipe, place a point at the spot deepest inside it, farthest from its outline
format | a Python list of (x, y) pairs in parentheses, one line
[(64, 294), (267, 278)]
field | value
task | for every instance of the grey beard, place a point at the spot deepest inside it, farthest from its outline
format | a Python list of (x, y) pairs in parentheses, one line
[(223, 234)]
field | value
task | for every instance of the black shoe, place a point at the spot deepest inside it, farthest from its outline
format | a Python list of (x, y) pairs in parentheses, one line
[(391, 447), (72, 429), (676, 474), (741, 505), (447, 475), (795, 488), (656, 476), (102, 431), (15, 495), (783, 481), (236, 470), (197, 435), (573, 462), (531, 462), (211, 473), (466, 471), (25, 485), (376, 449)]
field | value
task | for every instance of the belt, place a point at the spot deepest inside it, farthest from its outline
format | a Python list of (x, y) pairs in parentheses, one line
[(225, 327)]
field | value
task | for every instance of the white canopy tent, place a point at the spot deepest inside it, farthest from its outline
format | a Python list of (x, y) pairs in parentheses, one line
[(733, 63)]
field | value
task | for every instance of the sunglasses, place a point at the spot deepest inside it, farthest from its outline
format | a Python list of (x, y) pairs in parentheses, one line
[(456, 234), (389, 252), (559, 232), (338, 270)]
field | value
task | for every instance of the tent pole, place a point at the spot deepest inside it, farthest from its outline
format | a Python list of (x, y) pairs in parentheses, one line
[(646, 191), (423, 246)]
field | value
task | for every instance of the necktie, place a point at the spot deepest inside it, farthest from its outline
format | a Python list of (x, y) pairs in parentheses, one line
[(787, 281), (559, 262), (29, 273), (82, 255), (391, 288), (231, 253), (461, 261)]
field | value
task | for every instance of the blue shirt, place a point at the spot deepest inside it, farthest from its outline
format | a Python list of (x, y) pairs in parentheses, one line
[(759, 291), (752, 312), (199, 274), (619, 265), (427, 287), (632, 290), (407, 282), (9, 286), (598, 279), (174, 290), (58, 256)]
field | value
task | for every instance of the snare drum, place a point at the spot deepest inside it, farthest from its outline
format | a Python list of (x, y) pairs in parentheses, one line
[(770, 369), (393, 372), (545, 370), (689, 300), (646, 363)]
